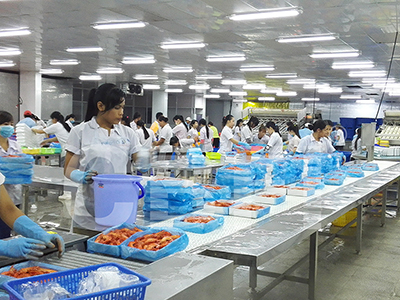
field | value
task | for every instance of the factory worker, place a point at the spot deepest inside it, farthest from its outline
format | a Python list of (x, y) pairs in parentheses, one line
[(182, 145), (238, 130), (164, 137), (35, 239), (227, 139), (146, 136), (275, 143), (247, 130), (29, 119), (294, 141), (216, 138), (100, 145), (180, 130), (339, 137), (317, 141), (136, 117), (206, 136), (306, 130), (356, 146), (193, 131), (261, 137), (70, 120), (155, 127)]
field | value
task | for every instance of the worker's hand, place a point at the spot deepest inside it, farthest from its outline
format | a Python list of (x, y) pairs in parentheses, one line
[(22, 247), (83, 177), (244, 145), (52, 240), (43, 143)]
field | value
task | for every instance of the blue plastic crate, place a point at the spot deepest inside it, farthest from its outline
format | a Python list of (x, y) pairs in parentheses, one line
[(70, 281)]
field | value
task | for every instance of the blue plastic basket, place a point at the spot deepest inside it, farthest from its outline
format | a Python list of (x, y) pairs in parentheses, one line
[(70, 281)]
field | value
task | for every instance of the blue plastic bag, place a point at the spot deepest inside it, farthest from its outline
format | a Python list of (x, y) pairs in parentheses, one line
[(175, 246), (370, 167), (194, 151), (169, 182), (197, 159), (172, 193), (18, 180), (312, 184), (199, 227), (20, 159), (355, 173), (334, 181), (170, 206), (212, 194), (93, 247)]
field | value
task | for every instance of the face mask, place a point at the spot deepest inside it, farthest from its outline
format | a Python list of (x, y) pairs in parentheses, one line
[(72, 121), (6, 131)]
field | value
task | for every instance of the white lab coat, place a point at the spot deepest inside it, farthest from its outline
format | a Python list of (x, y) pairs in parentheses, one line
[(263, 140), (275, 144), (309, 144), (166, 134), (14, 190), (246, 134), (207, 145), (293, 143), (225, 143), (61, 134), (192, 133), (340, 138), (180, 131), (146, 143)]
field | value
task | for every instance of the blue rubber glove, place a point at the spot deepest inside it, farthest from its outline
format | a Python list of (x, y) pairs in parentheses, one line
[(244, 145), (82, 177), (26, 227), (22, 247)]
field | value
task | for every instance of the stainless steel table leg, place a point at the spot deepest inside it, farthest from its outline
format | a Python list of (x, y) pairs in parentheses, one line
[(359, 228), (253, 275), (25, 200), (383, 210), (313, 265)]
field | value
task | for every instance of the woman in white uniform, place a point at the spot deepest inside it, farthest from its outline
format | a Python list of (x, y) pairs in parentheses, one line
[(294, 140), (356, 146), (317, 141), (261, 137), (226, 139), (247, 130), (165, 136), (180, 130), (193, 131), (237, 131), (206, 136), (275, 143), (100, 145), (146, 136)]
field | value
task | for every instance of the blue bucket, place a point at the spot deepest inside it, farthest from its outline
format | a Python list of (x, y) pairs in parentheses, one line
[(116, 198)]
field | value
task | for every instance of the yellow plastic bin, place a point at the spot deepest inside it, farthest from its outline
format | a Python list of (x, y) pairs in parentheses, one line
[(346, 219), (213, 155)]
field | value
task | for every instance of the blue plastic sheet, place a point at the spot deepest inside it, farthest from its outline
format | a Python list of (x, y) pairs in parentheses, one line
[(355, 173), (312, 184), (175, 246), (334, 181), (370, 167), (93, 247), (171, 193), (21, 159), (211, 194), (194, 151), (200, 228), (198, 160), (170, 206), (169, 182)]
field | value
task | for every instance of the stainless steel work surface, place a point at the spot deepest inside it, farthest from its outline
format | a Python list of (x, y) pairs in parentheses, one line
[(184, 165), (51, 175), (184, 276)]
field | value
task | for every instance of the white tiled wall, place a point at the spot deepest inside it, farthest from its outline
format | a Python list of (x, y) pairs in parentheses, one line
[(9, 93), (56, 96)]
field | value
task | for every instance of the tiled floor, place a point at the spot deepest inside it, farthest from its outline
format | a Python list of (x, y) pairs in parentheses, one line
[(342, 274)]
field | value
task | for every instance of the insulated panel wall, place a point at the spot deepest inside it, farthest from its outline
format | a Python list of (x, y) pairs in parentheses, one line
[(9, 93), (56, 96)]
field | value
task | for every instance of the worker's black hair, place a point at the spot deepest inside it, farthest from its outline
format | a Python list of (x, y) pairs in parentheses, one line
[(60, 119), (5, 117), (204, 122), (140, 123)]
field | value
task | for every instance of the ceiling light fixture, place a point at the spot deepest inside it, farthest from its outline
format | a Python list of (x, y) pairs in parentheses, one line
[(90, 77), (175, 82), (316, 86), (306, 38), (199, 87), (266, 98), (7, 63), (330, 90), (254, 86), (205, 77), (271, 91), (286, 94), (10, 52), (178, 70), (14, 32), (353, 65), (226, 58), (378, 80), (138, 60), (234, 82), (350, 97), (51, 71), (110, 71), (301, 81), (335, 54), (267, 14), (182, 45), (173, 90), (282, 75), (212, 96), (64, 62), (85, 49), (145, 77), (239, 100), (222, 91), (367, 73), (370, 101), (238, 94), (256, 68), (310, 99), (118, 25), (151, 87)]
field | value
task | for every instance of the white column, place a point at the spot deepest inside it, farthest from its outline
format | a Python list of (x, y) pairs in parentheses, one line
[(159, 103), (30, 90), (200, 105)]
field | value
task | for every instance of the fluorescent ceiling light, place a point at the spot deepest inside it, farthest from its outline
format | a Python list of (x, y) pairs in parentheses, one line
[(282, 75), (389, 85), (306, 38), (238, 94), (394, 93), (267, 14), (301, 81), (367, 73), (350, 97), (266, 98), (233, 82), (182, 45), (270, 91), (110, 71), (90, 77), (226, 58), (205, 77), (138, 60), (51, 71), (353, 65), (7, 63), (316, 86), (286, 94), (378, 80), (256, 68), (173, 90), (178, 70), (85, 49), (335, 54), (118, 25), (199, 87), (151, 87), (175, 82), (212, 96), (370, 101), (310, 99), (64, 62), (239, 100), (222, 91), (145, 77), (14, 32), (330, 90), (254, 86), (9, 52)]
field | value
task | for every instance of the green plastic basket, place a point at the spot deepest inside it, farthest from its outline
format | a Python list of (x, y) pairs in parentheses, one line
[(213, 155)]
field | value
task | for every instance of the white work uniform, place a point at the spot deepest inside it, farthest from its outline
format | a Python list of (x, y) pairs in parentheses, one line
[(207, 141), (61, 134), (146, 143), (226, 136), (353, 148), (69, 123), (275, 144), (14, 190), (237, 133), (263, 140), (166, 134), (309, 144), (133, 125), (246, 134), (102, 152), (340, 138), (192, 133), (293, 143), (180, 131)]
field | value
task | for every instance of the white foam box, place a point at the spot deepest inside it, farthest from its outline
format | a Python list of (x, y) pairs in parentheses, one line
[(277, 189), (253, 214), (301, 191), (263, 198), (208, 207)]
